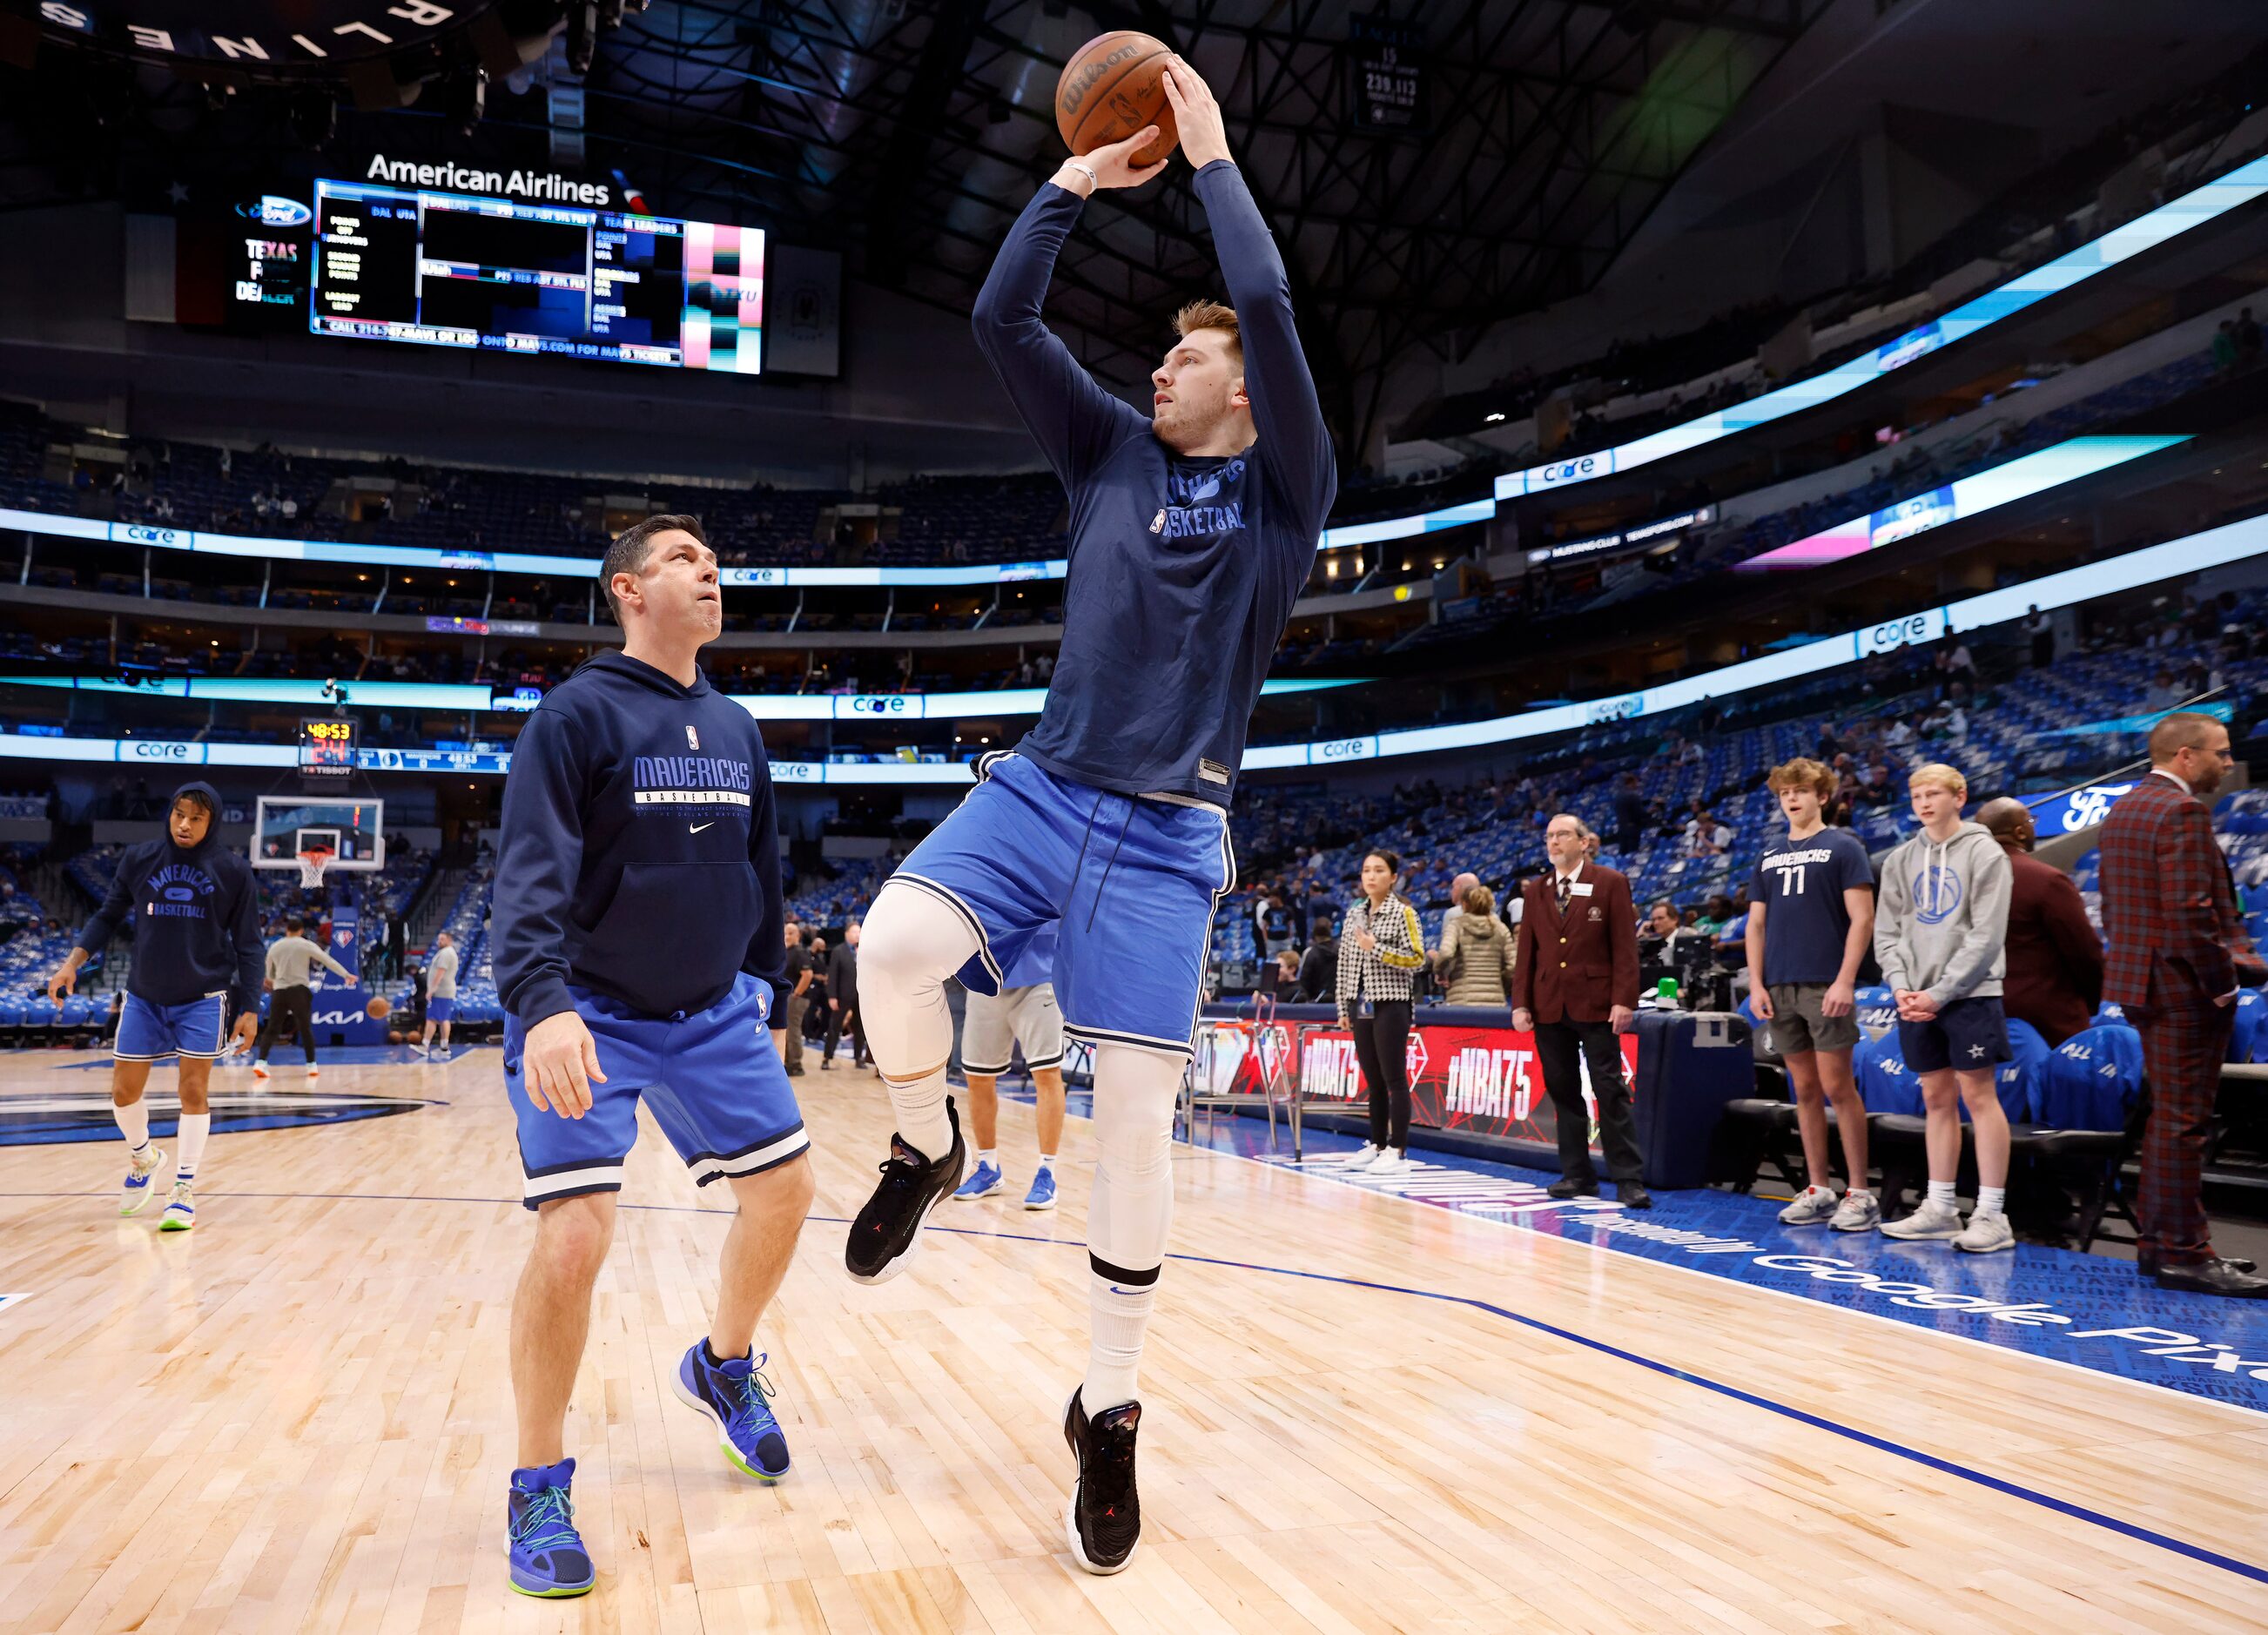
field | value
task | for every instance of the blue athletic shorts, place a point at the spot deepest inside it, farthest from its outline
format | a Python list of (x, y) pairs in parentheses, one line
[(439, 1010), (149, 1033), (711, 1078), (1971, 1035), (1133, 881)]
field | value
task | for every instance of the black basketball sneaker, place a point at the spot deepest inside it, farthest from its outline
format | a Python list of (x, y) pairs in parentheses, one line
[(1103, 1520), (883, 1237)]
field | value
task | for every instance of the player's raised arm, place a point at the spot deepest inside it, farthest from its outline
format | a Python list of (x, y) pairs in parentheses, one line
[(1295, 445), (1075, 421)]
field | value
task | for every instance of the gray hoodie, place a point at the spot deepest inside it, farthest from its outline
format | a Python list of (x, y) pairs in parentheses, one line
[(1942, 923)]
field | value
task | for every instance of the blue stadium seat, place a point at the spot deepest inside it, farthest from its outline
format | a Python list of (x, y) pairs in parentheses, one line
[(2244, 1034), (1886, 1084), (2092, 1080), (2017, 1083)]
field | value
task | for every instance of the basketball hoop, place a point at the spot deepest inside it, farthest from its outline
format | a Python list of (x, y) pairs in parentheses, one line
[(312, 865)]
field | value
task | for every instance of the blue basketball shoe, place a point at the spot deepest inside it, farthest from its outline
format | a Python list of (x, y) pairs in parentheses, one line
[(138, 1180), (1042, 1195), (982, 1181), (738, 1396), (548, 1557)]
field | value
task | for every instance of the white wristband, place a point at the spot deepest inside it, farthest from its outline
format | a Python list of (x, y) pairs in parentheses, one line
[(1087, 171)]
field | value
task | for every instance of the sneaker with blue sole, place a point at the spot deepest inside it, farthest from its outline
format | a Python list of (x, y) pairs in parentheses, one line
[(737, 1396), (981, 1184), (1042, 1195), (548, 1556)]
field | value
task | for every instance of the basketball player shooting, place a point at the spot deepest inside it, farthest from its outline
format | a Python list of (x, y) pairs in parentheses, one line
[(197, 959), (637, 935), (1194, 527)]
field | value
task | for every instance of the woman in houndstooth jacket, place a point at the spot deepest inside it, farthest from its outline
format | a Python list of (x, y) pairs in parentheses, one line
[(1381, 950)]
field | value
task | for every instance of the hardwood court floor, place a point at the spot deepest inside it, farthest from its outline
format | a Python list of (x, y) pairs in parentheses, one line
[(297, 1418)]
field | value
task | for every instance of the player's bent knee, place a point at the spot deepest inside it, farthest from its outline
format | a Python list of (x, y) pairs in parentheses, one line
[(782, 1193), (573, 1234)]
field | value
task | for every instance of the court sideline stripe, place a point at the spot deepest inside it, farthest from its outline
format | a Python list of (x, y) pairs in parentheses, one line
[(1867, 1439)]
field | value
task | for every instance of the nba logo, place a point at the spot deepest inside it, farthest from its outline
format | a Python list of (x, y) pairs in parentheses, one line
[(692, 739)]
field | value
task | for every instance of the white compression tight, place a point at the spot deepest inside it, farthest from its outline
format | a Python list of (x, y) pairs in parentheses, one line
[(914, 941)]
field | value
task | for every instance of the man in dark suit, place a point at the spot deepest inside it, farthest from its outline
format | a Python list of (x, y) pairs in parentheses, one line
[(842, 1001), (1575, 985), (2179, 957), (2055, 959)]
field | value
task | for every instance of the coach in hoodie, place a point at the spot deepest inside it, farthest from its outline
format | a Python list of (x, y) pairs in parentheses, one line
[(1941, 936), (637, 936), (197, 961)]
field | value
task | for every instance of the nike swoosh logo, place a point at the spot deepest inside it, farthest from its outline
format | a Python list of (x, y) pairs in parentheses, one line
[(697, 828)]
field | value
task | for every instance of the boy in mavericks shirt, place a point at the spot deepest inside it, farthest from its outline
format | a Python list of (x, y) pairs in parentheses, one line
[(197, 961), (1811, 914), (637, 935)]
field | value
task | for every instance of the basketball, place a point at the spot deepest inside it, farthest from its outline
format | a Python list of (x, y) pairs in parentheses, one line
[(378, 1008), (1112, 87)]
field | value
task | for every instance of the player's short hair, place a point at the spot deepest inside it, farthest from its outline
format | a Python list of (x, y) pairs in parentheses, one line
[(2183, 729), (1802, 773), (197, 798), (1211, 315), (293, 923), (628, 553), (1937, 775)]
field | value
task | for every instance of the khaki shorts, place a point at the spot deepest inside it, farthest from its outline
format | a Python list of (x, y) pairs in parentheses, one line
[(992, 1026), (1799, 1024)]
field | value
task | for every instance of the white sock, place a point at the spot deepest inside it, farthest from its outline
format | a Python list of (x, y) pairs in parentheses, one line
[(1130, 1214), (1815, 1187), (1941, 1192), (914, 940), (195, 1128), (1992, 1200), (1860, 1192), (1047, 1162), (133, 1124), (988, 1155)]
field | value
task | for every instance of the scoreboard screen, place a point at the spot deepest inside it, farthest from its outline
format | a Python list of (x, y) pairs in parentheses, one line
[(457, 269), (326, 746)]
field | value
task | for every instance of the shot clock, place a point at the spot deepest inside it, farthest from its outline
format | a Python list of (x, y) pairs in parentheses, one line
[(326, 746)]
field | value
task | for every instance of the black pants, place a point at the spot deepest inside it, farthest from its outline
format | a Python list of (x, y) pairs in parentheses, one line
[(835, 1020), (1381, 1041), (1561, 1049), (297, 1007)]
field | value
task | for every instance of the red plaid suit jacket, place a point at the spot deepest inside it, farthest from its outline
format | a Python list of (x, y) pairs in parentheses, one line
[(2168, 908)]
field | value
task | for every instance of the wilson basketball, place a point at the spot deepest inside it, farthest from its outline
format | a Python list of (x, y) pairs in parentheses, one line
[(1112, 87), (378, 1008)]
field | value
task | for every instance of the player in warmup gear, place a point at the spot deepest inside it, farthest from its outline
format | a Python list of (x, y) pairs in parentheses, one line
[(637, 937), (290, 959), (1193, 529), (1942, 937), (1811, 917), (197, 961), (992, 1025), (440, 993)]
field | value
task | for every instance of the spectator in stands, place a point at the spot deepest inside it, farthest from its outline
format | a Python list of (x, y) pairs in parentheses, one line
[(2055, 959), (1475, 958), (2224, 346), (1459, 889), (1272, 926), (1319, 965), (1941, 934), (2041, 631), (1810, 919), (2248, 339), (842, 1001), (789, 1003), (2163, 694), (1381, 949), (1631, 816), (2178, 958), (1575, 999), (1281, 980)]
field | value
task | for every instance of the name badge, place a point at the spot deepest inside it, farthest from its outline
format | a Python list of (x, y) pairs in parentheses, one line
[(1580, 887)]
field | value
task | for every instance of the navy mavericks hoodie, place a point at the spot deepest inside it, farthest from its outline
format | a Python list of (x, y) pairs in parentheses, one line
[(197, 918), (640, 857)]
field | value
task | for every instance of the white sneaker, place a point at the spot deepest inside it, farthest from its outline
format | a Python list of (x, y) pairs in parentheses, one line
[(138, 1187), (1986, 1234), (1363, 1158), (180, 1209), (1859, 1212), (1393, 1161), (259, 1069), (1812, 1205), (1932, 1222), (314, 1072)]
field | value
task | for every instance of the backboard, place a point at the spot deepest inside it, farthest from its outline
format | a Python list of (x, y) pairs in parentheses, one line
[(317, 837)]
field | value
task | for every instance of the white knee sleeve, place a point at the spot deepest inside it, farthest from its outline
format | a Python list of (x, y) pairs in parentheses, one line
[(912, 942)]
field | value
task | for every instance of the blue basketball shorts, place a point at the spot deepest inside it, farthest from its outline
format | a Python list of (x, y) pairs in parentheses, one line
[(149, 1033), (1132, 880), (439, 1010), (712, 1078)]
